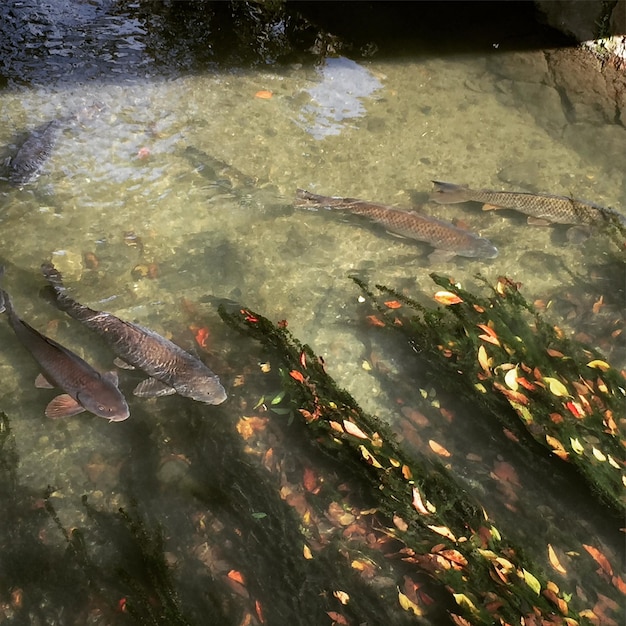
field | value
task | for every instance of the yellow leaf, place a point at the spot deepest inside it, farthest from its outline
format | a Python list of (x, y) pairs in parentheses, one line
[(342, 596), (531, 581), (613, 462), (601, 365), (484, 361), (598, 454), (369, 457), (443, 531), (510, 379), (463, 600), (408, 605), (557, 447), (554, 561), (307, 552), (352, 429), (557, 388), (576, 446)]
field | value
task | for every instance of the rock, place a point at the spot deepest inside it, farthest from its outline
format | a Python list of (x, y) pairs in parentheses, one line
[(528, 67)]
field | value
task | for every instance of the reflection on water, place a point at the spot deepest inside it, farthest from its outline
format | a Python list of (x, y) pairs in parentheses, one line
[(190, 177), (338, 98)]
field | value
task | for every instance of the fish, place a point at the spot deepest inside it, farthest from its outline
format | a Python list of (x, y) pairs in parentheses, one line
[(170, 368), (443, 236), (541, 209), (28, 162), (85, 389)]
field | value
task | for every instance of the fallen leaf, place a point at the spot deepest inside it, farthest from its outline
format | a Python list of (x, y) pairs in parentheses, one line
[(444, 531), (263, 94), (417, 503), (554, 561), (233, 574), (342, 596), (438, 448), (296, 375), (531, 581), (409, 605), (352, 429), (601, 365), (306, 552), (484, 361), (556, 387), (337, 618), (447, 298), (393, 304), (400, 524), (600, 559), (374, 321), (369, 457)]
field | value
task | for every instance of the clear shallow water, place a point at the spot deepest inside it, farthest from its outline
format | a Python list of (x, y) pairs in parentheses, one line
[(382, 137)]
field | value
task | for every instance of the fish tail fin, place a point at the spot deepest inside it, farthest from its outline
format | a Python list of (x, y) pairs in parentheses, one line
[(53, 276), (449, 193)]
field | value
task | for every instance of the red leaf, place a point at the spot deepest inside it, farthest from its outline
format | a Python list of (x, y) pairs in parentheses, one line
[(296, 375)]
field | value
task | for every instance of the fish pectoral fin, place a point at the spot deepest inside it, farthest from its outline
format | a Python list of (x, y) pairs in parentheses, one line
[(441, 256), (537, 221), (122, 364), (491, 207), (153, 388), (41, 382), (63, 406)]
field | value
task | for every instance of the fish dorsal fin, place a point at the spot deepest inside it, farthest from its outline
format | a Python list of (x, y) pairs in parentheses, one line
[(41, 382), (111, 376), (63, 406), (122, 364), (153, 388)]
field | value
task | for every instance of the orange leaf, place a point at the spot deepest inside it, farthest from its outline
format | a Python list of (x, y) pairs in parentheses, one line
[(619, 583), (374, 321), (489, 339), (600, 559), (393, 304), (447, 298), (554, 353), (236, 576), (303, 359), (263, 94), (202, 334), (259, 611), (438, 448), (296, 375)]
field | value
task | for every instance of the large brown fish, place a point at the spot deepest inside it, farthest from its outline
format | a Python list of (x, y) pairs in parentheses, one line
[(441, 235), (85, 388), (540, 208), (171, 369)]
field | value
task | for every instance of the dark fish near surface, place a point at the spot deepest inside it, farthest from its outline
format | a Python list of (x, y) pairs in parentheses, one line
[(85, 388), (171, 369), (541, 208), (32, 155), (439, 234)]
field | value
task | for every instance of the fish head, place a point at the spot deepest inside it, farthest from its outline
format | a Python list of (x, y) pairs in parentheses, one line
[(108, 403), (206, 389), (484, 249)]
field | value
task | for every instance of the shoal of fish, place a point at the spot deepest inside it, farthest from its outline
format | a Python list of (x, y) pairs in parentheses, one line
[(172, 370)]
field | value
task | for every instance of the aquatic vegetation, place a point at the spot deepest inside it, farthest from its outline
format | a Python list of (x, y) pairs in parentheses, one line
[(410, 512), (503, 355)]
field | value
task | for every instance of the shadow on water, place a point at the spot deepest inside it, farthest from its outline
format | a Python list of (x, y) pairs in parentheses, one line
[(86, 41)]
